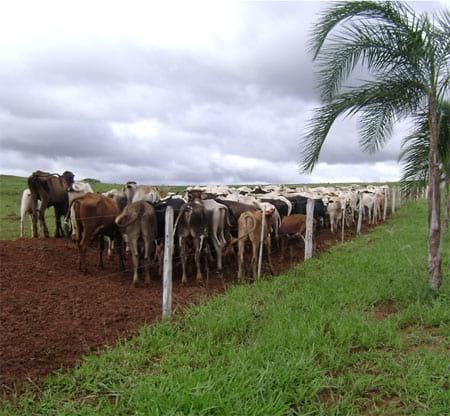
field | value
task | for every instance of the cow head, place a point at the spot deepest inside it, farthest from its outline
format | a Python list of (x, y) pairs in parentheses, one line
[(130, 185), (69, 178), (194, 195)]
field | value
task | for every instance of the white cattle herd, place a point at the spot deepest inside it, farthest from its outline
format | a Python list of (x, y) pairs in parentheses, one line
[(208, 220)]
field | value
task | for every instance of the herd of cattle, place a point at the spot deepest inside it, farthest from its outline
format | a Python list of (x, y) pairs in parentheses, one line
[(209, 220)]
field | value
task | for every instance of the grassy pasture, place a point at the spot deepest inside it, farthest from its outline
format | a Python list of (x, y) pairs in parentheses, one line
[(351, 332)]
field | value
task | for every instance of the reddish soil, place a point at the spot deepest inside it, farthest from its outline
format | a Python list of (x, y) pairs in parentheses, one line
[(383, 309), (51, 314)]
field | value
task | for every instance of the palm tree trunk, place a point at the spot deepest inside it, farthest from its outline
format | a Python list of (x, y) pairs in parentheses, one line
[(447, 204), (434, 232)]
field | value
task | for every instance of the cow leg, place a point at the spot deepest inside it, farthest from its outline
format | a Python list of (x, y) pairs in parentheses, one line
[(101, 248), (21, 226), (218, 249), (255, 252), (159, 256), (291, 250), (108, 246), (241, 252), (44, 228), (182, 244), (34, 226), (283, 246), (82, 246), (198, 249), (147, 250), (34, 216), (119, 248), (58, 231), (133, 245), (75, 233), (269, 258)]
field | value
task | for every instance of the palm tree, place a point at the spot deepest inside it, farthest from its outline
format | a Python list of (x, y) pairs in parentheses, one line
[(414, 155), (407, 56)]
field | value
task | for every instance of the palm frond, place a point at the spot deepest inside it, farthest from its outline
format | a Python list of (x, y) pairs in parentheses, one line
[(390, 98), (415, 149), (374, 46), (392, 12)]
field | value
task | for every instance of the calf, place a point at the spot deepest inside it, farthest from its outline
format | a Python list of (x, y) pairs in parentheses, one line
[(26, 207), (95, 215), (293, 227), (138, 222)]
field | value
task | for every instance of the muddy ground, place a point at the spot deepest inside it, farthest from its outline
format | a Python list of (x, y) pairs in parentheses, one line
[(51, 314)]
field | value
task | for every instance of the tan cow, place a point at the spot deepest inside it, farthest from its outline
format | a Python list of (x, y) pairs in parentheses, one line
[(138, 222), (249, 228)]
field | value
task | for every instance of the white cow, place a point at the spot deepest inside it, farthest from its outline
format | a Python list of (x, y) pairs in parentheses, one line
[(369, 201), (335, 211), (26, 208), (136, 193), (216, 214)]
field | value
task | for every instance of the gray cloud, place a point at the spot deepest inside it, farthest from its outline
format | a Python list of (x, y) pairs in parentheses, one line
[(124, 108)]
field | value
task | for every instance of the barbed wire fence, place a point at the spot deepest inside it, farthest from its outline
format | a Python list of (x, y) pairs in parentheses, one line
[(394, 196)]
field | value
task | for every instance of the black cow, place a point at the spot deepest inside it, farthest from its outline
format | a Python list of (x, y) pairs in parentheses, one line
[(160, 209), (299, 207), (281, 206), (235, 209)]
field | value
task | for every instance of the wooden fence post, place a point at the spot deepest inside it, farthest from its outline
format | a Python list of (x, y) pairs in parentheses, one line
[(394, 191), (360, 214), (167, 271), (261, 243), (309, 229), (343, 221), (385, 203)]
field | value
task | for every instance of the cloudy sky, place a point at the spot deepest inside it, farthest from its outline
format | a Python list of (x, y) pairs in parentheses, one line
[(169, 93)]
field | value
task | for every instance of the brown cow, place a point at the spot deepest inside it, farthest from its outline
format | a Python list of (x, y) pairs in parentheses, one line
[(293, 227), (95, 215), (51, 190), (249, 227), (138, 222)]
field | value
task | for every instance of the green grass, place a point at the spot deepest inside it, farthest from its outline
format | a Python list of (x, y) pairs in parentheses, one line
[(306, 342)]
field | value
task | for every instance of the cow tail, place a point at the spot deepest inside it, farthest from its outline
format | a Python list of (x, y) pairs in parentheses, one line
[(126, 219), (77, 198), (229, 246)]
